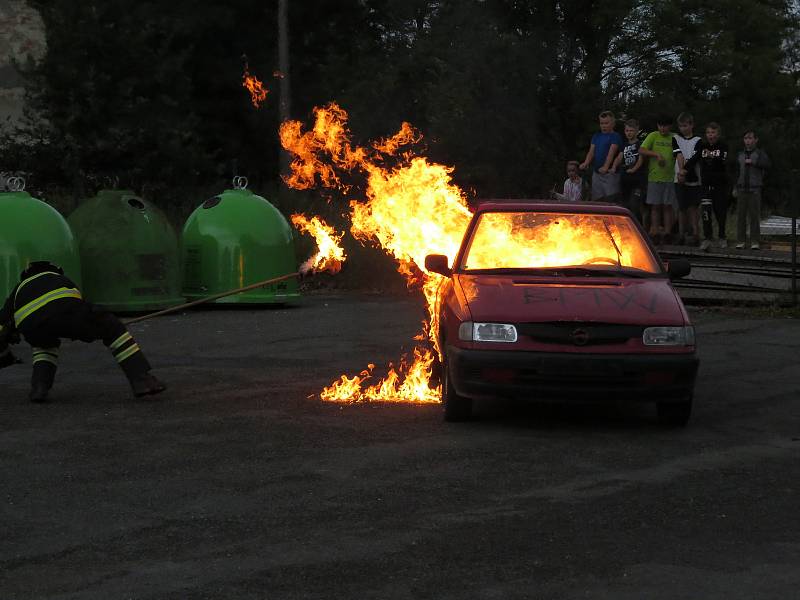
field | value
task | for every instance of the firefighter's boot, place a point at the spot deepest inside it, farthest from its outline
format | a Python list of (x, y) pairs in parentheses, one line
[(143, 383), (44, 373), (147, 385), (133, 363)]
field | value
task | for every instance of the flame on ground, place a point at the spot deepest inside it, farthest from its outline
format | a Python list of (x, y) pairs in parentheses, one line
[(411, 209), (408, 383), (258, 93), (330, 255)]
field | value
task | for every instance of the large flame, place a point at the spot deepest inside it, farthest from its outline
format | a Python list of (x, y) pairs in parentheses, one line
[(258, 93), (411, 209), (511, 240), (322, 152), (330, 255)]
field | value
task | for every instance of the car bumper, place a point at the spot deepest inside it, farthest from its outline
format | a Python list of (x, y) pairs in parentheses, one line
[(588, 377)]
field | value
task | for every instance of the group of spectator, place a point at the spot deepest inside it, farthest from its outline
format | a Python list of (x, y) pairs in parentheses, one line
[(673, 182)]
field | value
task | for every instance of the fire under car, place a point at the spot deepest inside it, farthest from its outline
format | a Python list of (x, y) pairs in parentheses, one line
[(562, 301)]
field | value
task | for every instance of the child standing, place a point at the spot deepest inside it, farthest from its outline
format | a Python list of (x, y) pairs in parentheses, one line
[(633, 178), (752, 163), (659, 146), (602, 150), (687, 183), (574, 188), (711, 154)]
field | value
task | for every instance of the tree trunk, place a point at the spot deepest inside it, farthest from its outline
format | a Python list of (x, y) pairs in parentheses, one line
[(285, 106)]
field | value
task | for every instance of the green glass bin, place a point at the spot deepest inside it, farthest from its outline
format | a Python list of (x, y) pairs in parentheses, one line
[(31, 230), (129, 253), (233, 240)]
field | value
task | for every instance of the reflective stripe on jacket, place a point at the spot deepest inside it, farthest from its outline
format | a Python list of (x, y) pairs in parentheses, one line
[(40, 296), (31, 307)]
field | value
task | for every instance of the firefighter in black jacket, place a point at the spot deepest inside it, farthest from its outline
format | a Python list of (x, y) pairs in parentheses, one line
[(46, 306)]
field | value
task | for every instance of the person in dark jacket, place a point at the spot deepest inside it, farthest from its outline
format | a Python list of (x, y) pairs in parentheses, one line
[(47, 306), (711, 154), (752, 163)]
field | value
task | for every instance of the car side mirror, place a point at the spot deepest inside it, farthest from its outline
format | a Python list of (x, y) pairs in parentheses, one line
[(678, 268), (438, 263)]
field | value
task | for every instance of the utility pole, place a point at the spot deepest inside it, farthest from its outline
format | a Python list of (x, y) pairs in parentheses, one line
[(285, 106), (794, 201)]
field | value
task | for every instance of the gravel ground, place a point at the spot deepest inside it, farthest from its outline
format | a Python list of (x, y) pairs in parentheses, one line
[(239, 483)]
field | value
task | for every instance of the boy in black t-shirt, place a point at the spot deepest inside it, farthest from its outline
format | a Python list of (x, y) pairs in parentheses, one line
[(633, 178)]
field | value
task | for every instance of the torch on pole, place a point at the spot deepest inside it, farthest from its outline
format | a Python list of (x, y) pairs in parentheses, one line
[(246, 288)]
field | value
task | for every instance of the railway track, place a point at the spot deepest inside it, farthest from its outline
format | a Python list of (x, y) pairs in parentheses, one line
[(734, 275)]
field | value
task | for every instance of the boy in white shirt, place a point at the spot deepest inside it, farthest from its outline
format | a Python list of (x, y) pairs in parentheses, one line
[(687, 183)]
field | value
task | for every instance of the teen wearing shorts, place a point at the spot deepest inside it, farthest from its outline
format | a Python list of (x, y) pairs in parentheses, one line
[(659, 147)]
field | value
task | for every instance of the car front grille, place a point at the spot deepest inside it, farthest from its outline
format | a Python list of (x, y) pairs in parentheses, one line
[(580, 333)]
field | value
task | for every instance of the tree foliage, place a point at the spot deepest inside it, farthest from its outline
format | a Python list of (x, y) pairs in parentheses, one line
[(504, 90)]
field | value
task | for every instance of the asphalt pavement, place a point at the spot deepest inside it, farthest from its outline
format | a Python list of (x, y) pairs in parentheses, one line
[(239, 483)]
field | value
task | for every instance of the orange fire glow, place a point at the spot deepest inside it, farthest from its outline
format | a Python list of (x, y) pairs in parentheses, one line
[(330, 255), (409, 383), (410, 210), (518, 241), (320, 154), (258, 93)]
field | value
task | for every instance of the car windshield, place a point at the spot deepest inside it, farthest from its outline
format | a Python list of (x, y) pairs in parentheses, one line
[(545, 240)]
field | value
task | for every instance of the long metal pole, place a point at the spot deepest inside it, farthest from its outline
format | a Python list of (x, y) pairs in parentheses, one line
[(246, 288)]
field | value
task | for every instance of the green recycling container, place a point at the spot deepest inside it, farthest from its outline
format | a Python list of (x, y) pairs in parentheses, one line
[(31, 230), (129, 253), (233, 240)]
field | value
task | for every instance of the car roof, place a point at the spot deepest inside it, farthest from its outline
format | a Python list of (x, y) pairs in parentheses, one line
[(522, 205)]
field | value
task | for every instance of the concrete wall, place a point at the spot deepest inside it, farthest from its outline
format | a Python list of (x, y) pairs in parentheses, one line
[(22, 38)]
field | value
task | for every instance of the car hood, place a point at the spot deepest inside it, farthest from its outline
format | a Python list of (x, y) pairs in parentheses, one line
[(526, 299)]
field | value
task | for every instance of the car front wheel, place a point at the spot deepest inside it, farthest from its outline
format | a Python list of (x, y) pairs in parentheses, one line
[(456, 408), (675, 414)]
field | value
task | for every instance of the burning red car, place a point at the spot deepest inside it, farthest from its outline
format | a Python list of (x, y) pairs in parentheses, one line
[(562, 300)]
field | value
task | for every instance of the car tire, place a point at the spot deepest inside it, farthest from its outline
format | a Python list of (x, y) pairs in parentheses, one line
[(456, 408), (675, 414)]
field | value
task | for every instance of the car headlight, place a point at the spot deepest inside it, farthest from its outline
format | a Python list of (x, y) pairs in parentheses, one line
[(668, 336), (487, 332)]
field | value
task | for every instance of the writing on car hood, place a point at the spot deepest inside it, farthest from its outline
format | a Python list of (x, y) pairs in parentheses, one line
[(526, 299)]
